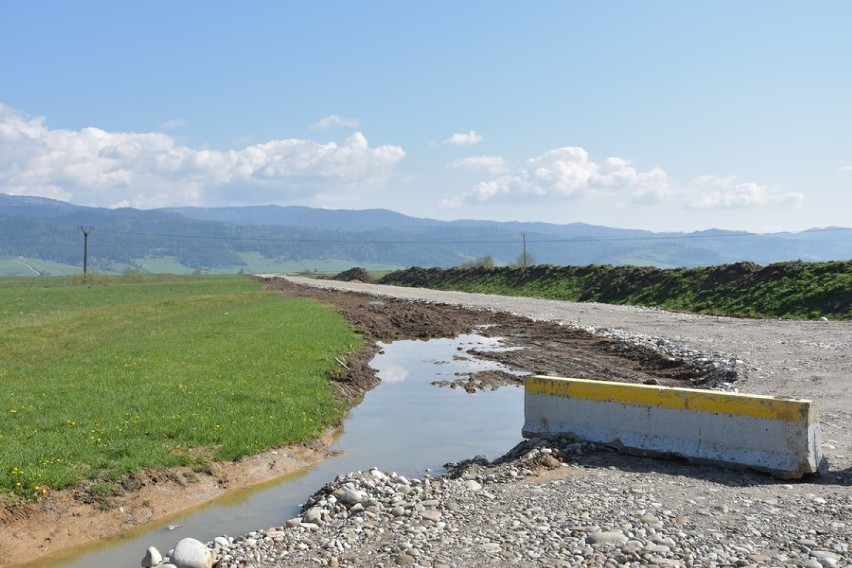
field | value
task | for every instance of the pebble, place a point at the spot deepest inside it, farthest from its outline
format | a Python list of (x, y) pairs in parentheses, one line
[(614, 538)]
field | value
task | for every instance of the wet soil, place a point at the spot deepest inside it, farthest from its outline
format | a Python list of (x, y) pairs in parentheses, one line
[(542, 348)]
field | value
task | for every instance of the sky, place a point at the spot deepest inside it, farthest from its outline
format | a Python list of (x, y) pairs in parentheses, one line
[(665, 116)]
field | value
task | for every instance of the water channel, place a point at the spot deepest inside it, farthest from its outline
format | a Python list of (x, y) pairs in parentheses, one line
[(405, 424)]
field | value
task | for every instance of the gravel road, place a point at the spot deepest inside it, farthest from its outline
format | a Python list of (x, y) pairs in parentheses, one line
[(567, 503), (800, 359)]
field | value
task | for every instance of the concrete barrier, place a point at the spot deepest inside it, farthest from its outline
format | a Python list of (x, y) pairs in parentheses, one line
[(776, 435)]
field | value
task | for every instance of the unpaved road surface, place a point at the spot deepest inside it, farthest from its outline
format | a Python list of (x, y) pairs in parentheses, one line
[(800, 359)]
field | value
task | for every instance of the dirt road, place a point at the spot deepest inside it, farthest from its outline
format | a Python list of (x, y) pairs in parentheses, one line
[(802, 359)]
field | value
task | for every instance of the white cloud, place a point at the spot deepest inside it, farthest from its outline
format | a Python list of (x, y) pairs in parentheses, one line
[(95, 167), (490, 164), (464, 139), (335, 120), (730, 193), (845, 169), (173, 123), (569, 173), (393, 373)]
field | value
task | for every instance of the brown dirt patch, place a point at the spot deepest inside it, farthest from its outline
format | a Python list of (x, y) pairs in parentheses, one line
[(541, 347)]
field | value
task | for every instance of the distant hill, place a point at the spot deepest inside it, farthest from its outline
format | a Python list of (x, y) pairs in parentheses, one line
[(306, 217), (40, 235), (35, 207)]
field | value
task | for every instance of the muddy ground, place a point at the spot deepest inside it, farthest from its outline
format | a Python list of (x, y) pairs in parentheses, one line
[(543, 348), (72, 518)]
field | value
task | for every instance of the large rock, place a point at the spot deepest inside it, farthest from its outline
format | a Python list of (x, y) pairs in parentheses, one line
[(349, 495), (190, 553), (152, 558), (313, 515)]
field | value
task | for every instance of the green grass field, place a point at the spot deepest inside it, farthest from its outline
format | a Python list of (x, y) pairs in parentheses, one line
[(104, 378)]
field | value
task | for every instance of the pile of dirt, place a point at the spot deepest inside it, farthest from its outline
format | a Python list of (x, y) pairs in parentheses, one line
[(356, 274)]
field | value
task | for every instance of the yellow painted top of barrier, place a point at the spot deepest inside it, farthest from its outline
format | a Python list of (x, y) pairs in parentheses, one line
[(758, 406)]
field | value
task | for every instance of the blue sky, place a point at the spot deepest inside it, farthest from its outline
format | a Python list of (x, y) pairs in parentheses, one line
[(639, 114)]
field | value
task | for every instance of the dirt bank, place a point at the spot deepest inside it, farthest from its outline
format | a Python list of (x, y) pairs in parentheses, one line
[(76, 517)]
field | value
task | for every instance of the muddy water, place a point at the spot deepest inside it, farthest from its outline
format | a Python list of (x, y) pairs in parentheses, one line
[(405, 425)]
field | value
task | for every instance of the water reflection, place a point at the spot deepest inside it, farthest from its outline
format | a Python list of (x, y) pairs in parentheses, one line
[(405, 425)]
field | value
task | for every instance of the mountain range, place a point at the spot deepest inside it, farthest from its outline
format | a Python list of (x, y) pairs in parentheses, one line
[(40, 235)]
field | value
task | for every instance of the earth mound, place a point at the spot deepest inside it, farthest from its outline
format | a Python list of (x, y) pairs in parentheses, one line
[(355, 274)]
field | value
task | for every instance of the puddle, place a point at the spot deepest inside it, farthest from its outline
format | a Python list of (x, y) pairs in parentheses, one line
[(405, 425)]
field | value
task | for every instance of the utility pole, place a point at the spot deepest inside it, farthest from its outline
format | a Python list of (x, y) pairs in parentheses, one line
[(86, 231)]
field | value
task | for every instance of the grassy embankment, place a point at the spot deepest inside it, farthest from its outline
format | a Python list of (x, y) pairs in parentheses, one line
[(798, 290), (103, 379)]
